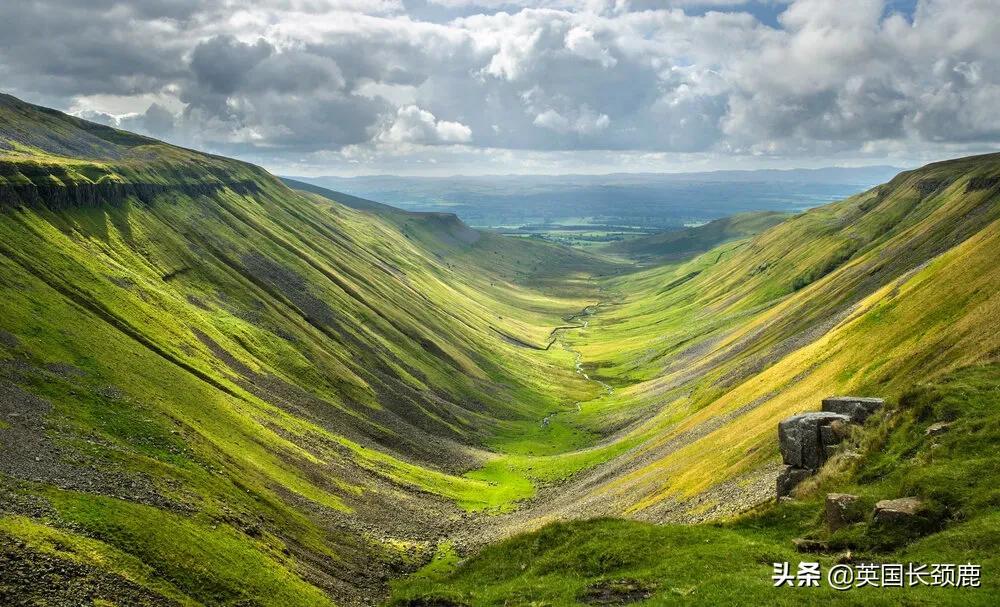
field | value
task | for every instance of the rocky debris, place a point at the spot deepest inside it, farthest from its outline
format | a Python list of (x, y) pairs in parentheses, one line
[(808, 440), (897, 510), (36, 450), (858, 408), (937, 429), (31, 577), (843, 509), (803, 545), (616, 592)]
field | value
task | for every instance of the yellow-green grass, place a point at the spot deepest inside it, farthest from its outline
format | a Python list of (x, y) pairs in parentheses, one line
[(257, 353), (732, 562)]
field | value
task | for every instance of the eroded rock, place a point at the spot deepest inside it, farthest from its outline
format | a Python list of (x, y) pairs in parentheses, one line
[(897, 510), (858, 408), (801, 438), (789, 478), (808, 440), (897, 521), (843, 509)]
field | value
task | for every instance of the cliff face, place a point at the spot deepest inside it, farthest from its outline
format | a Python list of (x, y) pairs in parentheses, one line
[(55, 196)]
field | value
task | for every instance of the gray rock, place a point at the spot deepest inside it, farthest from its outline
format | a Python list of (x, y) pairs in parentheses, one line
[(789, 478), (834, 433), (800, 441), (843, 509), (858, 408), (897, 510), (938, 428)]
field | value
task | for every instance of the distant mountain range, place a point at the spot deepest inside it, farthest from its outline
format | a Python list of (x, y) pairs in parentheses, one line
[(216, 389), (651, 201)]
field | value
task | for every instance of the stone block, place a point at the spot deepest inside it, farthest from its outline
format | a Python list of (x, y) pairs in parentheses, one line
[(843, 509), (858, 408), (789, 478)]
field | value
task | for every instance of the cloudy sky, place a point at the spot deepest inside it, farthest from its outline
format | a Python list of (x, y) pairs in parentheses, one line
[(347, 87)]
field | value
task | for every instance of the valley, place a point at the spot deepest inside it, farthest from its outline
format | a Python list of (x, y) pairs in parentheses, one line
[(220, 388)]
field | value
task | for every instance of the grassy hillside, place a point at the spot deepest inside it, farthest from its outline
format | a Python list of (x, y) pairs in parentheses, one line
[(216, 389), (681, 244), (878, 294), (293, 387), (870, 295), (614, 561)]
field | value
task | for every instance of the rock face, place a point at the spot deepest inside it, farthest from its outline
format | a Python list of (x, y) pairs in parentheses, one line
[(789, 478), (801, 438), (807, 440), (858, 408), (843, 509)]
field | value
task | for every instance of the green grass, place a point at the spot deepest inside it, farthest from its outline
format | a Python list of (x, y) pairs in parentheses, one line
[(258, 354), (210, 563), (271, 352), (731, 563)]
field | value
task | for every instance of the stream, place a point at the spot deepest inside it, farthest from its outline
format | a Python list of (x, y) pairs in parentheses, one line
[(578, 357)]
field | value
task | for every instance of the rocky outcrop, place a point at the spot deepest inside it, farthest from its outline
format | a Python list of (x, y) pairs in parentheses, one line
[(807, 440), (858, 408), (843, 509), (897, 510), (803, 438), (56, 197)]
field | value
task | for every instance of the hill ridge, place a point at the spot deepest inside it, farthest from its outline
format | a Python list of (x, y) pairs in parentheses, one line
[(346, 393)]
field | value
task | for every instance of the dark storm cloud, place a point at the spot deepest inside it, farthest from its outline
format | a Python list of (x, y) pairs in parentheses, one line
[(66, 48), (221, 64)]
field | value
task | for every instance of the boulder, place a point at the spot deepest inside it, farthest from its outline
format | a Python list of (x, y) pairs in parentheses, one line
[(898, 510), (808, 440), (896, 522), (938, 428), (800, 438), (843, 509), (789, 478), (858, 408), (834, 432)]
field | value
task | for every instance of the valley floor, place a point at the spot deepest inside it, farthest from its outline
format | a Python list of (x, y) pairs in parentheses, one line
[(216, 390)]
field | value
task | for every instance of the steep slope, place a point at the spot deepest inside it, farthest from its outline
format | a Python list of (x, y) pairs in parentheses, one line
[(682, 244), (215, 387), (615, 561), (868, 295), (892, 293)]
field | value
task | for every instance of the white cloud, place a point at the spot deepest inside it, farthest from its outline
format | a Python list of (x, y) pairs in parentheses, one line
[(282, 78), (414, 125), (580, 40), (584, 122)]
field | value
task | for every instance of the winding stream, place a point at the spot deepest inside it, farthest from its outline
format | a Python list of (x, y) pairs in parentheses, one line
[(577, 356)]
